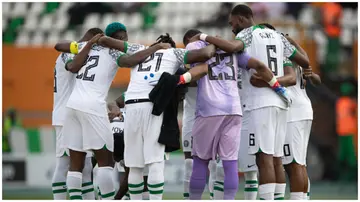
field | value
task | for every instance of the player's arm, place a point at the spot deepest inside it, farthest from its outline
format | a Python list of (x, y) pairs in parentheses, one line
[(232, 46), (123, 185), (200, 55), (64, 46), (313, 77), (139, 57), (295, 53), (113, 43), (79, 60)]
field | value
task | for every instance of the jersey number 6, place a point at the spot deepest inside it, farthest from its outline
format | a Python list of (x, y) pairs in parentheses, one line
[(272, 62)]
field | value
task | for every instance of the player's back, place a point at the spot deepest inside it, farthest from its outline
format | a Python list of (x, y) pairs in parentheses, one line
[(300, 108), (267, 46), (93, 81), (63, 86), (217, 91), (144, 76)]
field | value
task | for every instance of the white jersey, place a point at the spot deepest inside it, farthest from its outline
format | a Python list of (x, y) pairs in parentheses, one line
[(63, 85), (93, 81), (190, 104), (301, 108), (270, 47), (165, 60), (117, 124)]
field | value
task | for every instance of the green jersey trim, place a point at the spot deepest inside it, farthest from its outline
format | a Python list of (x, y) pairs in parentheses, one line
[(118, 60), (125, 46), (185, 57), (66, 63), (293, 54)]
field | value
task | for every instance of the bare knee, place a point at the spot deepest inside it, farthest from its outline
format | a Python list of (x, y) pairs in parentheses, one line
[(104, 158), (77, 161)]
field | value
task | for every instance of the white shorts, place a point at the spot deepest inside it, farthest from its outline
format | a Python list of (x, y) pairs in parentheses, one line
[(247, 162), (187, 125), (296, 142), (60, 149), (267, 131), (141, 134), (87, 132)]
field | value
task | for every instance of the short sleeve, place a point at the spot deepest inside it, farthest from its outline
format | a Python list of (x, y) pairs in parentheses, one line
[(243, 59), (180, 55), (289, 49), (287, 62), (193, 46), (245, 36), (115, 55), (81, 45), (67, 57), (132, 48)]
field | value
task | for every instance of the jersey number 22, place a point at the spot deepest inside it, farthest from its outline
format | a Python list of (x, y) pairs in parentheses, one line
[(84, 76)]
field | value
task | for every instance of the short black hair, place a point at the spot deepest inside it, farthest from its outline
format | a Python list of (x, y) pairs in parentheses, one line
[(267, 25), (94, 31), (165, 39), (242, 10), (190, 33)]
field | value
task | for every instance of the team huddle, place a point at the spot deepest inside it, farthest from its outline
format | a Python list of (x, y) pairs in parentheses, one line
[(245, 109)]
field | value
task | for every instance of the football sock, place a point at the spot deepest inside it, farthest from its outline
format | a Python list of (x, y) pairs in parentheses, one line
[(198, 178), (296, 196), (156, 180), (59, 188), (219, 182), (136, 183), (266, 191), (231, 179), (212, 177), (87, 184), (105, 183), (73, 182), (187, 175), (251, 185), (280, 191)]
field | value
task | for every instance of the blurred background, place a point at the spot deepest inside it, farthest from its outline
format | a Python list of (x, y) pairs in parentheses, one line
[(327, 31)]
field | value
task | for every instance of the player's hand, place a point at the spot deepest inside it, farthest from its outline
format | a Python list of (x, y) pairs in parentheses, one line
[(96, 38), (164, 45), (115, 112), (258, 82), (308, 72)]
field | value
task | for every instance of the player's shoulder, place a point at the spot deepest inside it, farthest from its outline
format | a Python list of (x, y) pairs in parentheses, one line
[(246, 31), (196, 45)]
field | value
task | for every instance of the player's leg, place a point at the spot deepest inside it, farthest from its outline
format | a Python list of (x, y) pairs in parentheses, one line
[(61, 167), (228, 149), (154, 153), (59, 178), (262, 144), (212, 177), (146, 194), (203, 150), (292, 160), (134, 146), (307, 128), (187, 145), (280, 136), (87, 183), (73, 140), (219, 181), (100, 140), (247, 162)]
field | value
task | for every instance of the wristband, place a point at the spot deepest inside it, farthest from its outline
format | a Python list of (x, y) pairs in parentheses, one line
[(185, 78), (203, 37), (272, 81), (74, 47)]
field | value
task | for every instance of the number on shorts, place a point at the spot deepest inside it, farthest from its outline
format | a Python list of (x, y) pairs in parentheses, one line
[(230, 64), (252, 139), (152, 56), (272, 62), (286, 150), (84, 76)]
